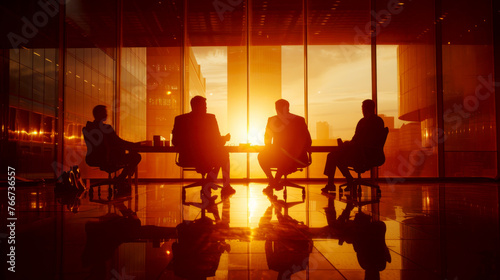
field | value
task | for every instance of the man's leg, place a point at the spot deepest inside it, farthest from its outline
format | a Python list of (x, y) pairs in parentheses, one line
[(331, 166), (130, 160), (222, 161), (264, 158), (225, 164)]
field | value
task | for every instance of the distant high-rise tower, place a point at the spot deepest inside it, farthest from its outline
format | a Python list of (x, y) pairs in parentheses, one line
[(264, 89), (322, 130)]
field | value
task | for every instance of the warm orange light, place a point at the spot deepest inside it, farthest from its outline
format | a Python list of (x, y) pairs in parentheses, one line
[(256, 135), (169, 92)]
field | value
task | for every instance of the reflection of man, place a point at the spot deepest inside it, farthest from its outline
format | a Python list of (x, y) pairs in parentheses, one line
[(361, 150), (197, 137), (105, 149), (287, 141), (287, 243)]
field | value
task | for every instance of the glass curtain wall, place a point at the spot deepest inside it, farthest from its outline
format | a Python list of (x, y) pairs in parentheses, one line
[(89, 74), (406, 87), (151, 67), (339, 71), (146, 60), (216, 68), (469, 89), (276, 67), (29, 88)]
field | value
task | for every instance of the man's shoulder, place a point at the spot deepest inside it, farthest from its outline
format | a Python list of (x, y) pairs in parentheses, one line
[(380, 120), (182, 116), (93, 125), (298, 118)]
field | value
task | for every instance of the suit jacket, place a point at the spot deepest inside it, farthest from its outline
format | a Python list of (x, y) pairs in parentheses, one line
[(367, 138), (197, 138), (104, 146), (289, 134)]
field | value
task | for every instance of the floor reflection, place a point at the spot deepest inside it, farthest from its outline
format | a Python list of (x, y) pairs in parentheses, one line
[(159, 231)]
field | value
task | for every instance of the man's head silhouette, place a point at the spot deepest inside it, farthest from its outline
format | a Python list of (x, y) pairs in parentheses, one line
[(199, 104), (100, 113), (282, 107), (368, 107)]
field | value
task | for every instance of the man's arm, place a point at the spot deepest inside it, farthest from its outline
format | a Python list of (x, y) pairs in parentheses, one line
[(119, 142), (268, 135), (176, 132), (215, 132)]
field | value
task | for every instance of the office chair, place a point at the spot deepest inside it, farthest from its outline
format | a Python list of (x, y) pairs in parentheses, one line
[(202, 170), (359, 181), (107, 167), (287, 183)]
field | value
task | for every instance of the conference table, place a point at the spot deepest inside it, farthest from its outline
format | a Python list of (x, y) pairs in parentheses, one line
[(242, 148)]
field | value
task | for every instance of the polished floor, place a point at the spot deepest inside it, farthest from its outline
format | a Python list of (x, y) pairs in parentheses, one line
[(412, 231)]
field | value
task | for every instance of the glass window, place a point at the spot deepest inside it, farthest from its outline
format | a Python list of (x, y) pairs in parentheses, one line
[(339, 72), (406, 87), (469, 91)]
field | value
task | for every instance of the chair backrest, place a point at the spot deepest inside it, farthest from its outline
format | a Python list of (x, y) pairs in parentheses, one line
[(191, 165), (382, 138), (377, 156), (98, 156), (93, 157)]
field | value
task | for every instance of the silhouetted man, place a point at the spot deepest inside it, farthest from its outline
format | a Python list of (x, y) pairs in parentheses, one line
[(287, 141), (106, 149), (197, 137), (361, 150)]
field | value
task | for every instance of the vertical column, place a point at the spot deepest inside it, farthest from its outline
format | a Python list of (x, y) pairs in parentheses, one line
[(373, 44), (59, 139), (496, 54), (4, 90), (59, 121), (439, 86), (183, 58), (249, 3), (118, 64), (306, 85)]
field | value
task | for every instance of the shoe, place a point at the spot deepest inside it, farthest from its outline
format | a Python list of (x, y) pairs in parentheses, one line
[(268, 190), (348, 187), (329, 188), (277, 185), (123, 188), (227, 191)]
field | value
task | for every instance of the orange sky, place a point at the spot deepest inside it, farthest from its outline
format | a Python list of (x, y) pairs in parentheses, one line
[(339, 79)]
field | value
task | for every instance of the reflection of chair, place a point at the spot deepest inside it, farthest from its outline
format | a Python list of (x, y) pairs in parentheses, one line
[(362, 168), (287, 183)]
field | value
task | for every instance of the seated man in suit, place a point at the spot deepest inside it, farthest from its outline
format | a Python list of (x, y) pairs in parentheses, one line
[(106, 149), (362, 150), (287, 141), (197, 137)]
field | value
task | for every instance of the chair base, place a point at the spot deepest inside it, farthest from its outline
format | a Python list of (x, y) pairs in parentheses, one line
[(287, 183), (357, 183)]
